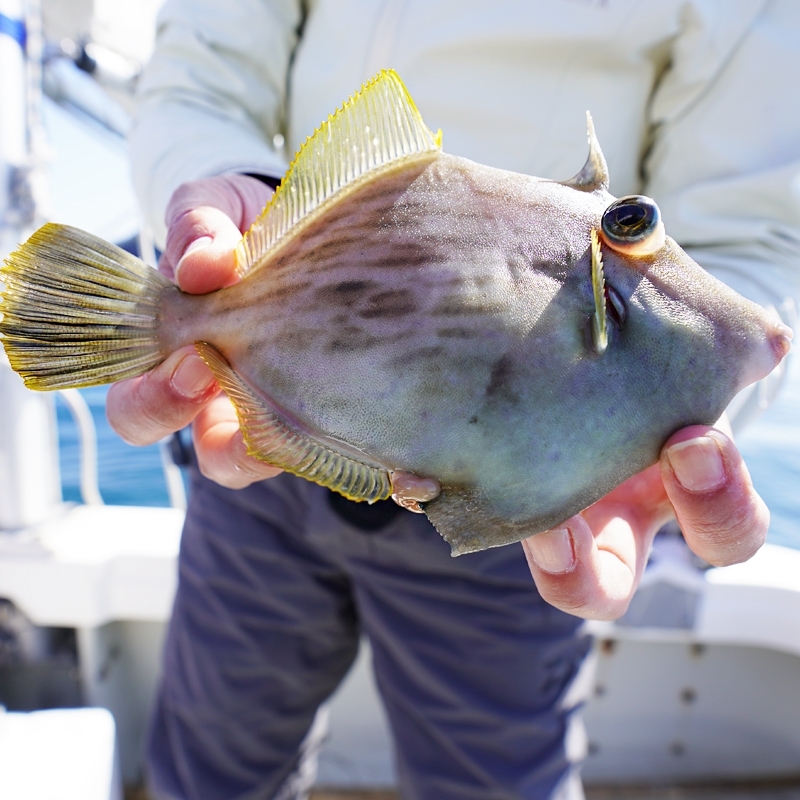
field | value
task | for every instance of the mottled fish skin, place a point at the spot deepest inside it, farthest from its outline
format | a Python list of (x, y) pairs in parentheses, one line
[(439, 318), (406, 314)]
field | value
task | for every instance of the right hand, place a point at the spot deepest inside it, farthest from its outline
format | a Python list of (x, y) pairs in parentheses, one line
[(205, 220), (591, 565)]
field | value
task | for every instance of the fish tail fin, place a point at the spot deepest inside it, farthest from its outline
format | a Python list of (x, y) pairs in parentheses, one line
[(78, 311)]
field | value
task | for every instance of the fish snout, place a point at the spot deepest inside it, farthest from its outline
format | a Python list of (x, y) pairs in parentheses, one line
[(773, 348), (782, 340)]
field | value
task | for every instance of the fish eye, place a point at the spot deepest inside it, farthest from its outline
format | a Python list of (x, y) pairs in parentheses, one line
[(632, 225)]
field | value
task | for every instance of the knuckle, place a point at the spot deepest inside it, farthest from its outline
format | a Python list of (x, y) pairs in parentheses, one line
[(728, 523), (208, 470), (187, 227), (732, 536), (124, 413), (207, 464), (218, 192), (148, 426), (567, 595), (177, 201), (187, 196), (163, 419), (134, 432), (122, 427), (149, 411), (217, 461), (225, 472), (598, 595)]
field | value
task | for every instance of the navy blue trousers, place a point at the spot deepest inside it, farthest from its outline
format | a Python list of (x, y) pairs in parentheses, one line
[(479, 676)]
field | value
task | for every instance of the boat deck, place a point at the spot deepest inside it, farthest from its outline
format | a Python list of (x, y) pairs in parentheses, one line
[(773, 790)]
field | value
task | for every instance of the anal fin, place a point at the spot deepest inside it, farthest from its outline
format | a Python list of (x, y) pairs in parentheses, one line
[(272, 438), (466, 521)]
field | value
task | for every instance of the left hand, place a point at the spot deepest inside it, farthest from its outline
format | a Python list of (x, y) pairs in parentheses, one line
[(205, 221), (591, 565)]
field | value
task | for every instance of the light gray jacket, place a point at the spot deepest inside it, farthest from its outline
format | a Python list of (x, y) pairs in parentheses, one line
[(696, 102)]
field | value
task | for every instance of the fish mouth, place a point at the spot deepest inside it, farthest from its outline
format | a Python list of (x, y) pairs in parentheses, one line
[(782, 340), (774, 348)]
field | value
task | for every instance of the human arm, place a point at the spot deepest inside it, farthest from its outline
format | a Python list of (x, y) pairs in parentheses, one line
[(641, 510), (209, 105), (212, 98)]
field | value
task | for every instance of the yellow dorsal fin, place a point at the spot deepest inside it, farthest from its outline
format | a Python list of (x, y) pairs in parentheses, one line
[(377, 127)]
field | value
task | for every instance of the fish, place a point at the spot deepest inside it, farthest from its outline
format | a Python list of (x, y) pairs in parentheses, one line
[(495, 350)]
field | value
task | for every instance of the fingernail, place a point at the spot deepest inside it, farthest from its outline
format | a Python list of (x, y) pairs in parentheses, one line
[(197, 244), (697, 464), (552, 551), (192, 377)]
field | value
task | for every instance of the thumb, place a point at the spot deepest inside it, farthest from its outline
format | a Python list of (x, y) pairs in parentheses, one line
[(203, 242), (722, 517), (205, 220)]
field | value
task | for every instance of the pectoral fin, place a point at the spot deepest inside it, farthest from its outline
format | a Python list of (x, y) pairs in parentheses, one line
[(274, 438)]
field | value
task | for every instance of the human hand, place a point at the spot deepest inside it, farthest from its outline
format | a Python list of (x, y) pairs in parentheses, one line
[(592, 564), (205, 220)]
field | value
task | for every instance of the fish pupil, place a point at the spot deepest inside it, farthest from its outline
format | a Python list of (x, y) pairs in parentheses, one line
[(630, 219), (630, 216)]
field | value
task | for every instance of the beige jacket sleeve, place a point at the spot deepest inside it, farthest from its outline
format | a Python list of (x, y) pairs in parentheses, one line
[(212, 97), (725, 162)]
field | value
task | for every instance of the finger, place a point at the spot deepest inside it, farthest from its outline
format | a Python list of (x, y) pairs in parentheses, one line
[(721, 515), (240, 197), (221, 451), (200, 245), (589, 574), (166, 399), (594, 570), (205, 220)]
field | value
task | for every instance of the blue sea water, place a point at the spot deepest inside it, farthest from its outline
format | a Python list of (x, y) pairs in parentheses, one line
[(771, 446), (127, 475)]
